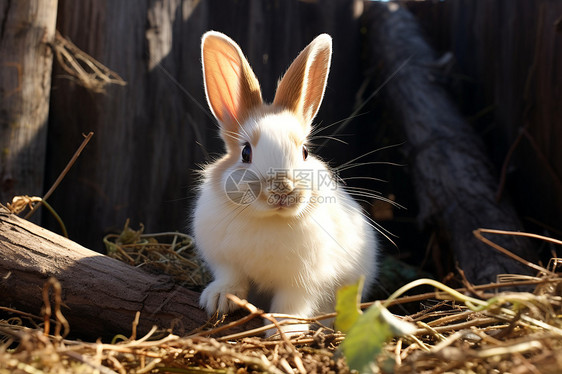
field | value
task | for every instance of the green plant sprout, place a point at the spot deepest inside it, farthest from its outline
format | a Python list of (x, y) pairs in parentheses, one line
[(368, 332)]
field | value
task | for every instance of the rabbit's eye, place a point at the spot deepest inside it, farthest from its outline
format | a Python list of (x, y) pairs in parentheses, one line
[(304, 152), (247, 153)]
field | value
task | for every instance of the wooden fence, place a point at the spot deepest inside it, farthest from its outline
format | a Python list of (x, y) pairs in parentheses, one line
[(151, 134)]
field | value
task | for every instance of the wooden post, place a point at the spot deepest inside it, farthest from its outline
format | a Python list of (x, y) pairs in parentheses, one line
[(26, 29)]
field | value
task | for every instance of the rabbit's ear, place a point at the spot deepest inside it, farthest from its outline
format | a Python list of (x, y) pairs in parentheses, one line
[(302, 87), (231, 86)]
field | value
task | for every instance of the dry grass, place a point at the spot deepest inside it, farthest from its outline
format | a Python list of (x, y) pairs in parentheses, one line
[(83, 68), (40, 353), (171, 253), (515, 332)]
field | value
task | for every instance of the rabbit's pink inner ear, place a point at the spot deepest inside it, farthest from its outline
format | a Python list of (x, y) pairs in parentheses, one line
[(231, 86), (302, 87)]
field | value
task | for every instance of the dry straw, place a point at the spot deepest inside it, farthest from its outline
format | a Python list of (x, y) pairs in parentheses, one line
[(83, 68), (171, 253), (476, 329)]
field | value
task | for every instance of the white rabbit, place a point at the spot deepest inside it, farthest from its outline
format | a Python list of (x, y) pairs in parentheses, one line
[(268, 213)]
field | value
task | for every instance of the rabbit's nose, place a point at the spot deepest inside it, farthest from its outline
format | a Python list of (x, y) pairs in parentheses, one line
[(282, 186)]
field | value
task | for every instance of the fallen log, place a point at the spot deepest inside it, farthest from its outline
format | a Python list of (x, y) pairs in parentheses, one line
[(100, 295), (454, 181)]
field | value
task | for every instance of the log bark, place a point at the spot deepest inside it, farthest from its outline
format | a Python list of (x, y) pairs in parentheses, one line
[(100, 295), (26, 29), (455, 183)]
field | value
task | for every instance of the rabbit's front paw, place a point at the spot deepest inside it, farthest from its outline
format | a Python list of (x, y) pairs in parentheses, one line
[(290, 331), (214, 299), (296, 302)]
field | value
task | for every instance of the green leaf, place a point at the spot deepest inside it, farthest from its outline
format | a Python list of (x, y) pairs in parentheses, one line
[(365, 340), (347, 305), (367, 336), (398, 326)]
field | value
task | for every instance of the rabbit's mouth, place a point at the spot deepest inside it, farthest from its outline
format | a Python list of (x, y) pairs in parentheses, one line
[(285, 203), (282, 201)]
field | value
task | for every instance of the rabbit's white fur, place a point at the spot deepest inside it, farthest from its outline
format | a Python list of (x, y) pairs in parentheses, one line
[(300, 251)]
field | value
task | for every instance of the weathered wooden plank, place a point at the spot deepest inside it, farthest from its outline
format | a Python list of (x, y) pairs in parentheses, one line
[(26, 29)]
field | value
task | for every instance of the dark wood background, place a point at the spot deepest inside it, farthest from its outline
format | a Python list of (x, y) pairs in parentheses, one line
[(509, 78), (150, 135)]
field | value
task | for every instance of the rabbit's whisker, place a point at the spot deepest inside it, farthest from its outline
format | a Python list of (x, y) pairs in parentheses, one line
[(370, 153), (374, 224), (331, 138), (363, 178), (317, 129), (347, 166), (243, 130), (364, 192)]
